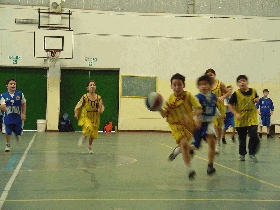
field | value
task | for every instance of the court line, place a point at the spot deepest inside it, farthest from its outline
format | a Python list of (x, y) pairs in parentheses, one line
[(230, 169), (16, 171), (143, 199)]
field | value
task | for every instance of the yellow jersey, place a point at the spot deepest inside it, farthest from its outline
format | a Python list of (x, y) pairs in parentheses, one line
[(245, 105), (177, 106), (89, 118), (218, 92)]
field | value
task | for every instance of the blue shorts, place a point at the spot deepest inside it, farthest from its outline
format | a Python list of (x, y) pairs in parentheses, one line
[(10, 128), (264, 120), (229, 121), (200, 133)]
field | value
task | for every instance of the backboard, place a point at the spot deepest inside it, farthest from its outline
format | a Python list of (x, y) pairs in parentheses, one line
[(45, 40)]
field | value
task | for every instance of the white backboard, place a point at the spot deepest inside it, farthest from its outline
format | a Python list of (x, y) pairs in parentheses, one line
[(53, 40)]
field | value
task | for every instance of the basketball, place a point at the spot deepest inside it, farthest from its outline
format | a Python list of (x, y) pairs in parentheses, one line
[(154, 101)]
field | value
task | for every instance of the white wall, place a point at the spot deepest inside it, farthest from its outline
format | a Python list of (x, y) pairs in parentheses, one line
[(159, 45)]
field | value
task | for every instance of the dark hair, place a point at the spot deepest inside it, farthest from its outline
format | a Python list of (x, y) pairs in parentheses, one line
[(229, 86), (205, 78), (265, 90), (210, 71), (242, 77), (8, 80), (178, 76), (90, 82)]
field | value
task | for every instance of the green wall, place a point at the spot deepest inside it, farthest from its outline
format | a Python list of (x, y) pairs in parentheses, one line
[(73, 86), (33, 83)]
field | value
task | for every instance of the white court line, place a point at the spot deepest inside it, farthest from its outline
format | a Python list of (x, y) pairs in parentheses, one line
[(13, 177)]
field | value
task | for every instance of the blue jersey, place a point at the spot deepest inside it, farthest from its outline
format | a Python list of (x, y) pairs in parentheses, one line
[(208, 103), (228, 112), (265, 105), (13, 104)]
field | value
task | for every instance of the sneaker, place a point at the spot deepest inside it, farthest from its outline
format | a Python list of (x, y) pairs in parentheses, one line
[(260, 135), (81, 141), (89, 150), (253, 158), (242, 157), (233, 139), (224, 141), (172, 155), (7, 148), (210, 170), (269, 136), (192, 153), (217, 149), (192, 175)]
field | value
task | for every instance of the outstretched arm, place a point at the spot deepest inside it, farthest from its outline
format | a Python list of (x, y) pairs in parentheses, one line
[(2, 104), (101, 107), (234, 112), (23, 111), (77, 108), (3, 107), (225, 92), (163, 112)]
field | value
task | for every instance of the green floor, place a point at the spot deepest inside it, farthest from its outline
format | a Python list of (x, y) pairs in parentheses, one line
[(131, 171)]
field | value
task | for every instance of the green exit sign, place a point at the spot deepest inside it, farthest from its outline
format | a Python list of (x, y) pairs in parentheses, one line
[(14, 57), (90, 59)]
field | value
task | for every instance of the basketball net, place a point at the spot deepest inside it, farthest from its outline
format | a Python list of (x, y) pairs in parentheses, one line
[(52, 56)]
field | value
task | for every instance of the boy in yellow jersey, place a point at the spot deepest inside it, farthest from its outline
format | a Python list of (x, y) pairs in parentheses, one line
[(180, 116), (221, 91), (242, 105), (88, 111)]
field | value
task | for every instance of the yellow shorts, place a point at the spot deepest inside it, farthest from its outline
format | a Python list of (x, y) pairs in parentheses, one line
[(179, 131), (89, 129), (218, 122), (92, 132)]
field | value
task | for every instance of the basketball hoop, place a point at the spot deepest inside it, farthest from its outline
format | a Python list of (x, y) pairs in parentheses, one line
[(52, 56)]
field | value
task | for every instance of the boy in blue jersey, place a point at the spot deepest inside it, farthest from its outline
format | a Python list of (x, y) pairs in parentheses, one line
[(229, 119), (14, 112), (265, 109), (206, 128)]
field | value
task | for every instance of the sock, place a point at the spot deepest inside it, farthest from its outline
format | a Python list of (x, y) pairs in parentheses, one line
[(189, 168), (210, 165), (192, 147), (176, 151)]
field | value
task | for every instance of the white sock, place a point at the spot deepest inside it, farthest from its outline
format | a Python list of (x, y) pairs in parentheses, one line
[(189, 168), (177, 151)]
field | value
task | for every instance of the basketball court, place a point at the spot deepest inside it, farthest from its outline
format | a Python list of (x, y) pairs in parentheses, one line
[(129, 170)]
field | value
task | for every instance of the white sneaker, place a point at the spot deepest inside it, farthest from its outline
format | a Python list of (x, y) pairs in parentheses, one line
[(89, 150), (172, 155), (253, 158), (81, 141), (217, 149), (242, 157), (7, 148)]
